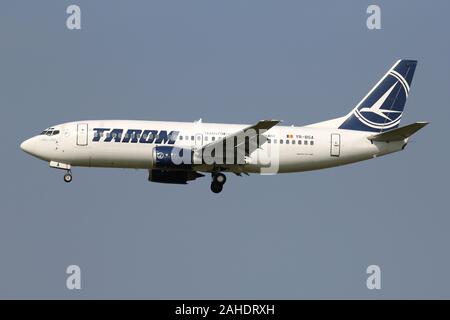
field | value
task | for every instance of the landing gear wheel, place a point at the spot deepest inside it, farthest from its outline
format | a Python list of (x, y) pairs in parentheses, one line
[(216, 187), (219, 178), (68, 177)]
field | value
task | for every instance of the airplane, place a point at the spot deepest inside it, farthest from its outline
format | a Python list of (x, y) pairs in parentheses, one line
[(179, 152)]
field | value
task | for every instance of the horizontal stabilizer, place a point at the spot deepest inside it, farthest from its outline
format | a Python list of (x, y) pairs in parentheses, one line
[(398, 134)]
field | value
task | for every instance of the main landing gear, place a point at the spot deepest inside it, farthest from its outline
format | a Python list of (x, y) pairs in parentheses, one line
[(68, 177), (218, 180)]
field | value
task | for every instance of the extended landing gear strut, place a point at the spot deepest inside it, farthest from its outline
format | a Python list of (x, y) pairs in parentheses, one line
[(218, 180), (68, 176), (63, 166)]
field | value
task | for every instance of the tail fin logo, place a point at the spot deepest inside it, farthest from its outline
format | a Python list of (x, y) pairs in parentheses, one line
[(376, 108), (383, 113), (383, 106)]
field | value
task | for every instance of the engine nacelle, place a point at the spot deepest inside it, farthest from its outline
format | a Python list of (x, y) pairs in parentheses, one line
[(167, 157), (175, 177)]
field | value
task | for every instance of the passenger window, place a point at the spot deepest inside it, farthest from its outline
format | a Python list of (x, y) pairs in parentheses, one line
[(274, 140), (299, 141), (206, 138), (311, 142), (192, 138), (293, 141), (305, 142), (281, 141), (181, 137), (268, 141), (287, 141), (213, 138)]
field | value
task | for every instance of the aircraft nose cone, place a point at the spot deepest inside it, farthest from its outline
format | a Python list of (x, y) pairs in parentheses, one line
[(26, 146), (37, 148), (30, 146)]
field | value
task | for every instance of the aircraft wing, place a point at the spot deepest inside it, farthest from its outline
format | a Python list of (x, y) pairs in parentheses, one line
[(399, 133), (250, 136)]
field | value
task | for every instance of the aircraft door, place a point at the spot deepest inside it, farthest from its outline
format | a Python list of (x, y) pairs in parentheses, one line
[(82, 134), (335, 148), (198, 140)]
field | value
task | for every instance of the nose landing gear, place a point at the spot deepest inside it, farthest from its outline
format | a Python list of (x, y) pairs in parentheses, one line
[(218, 180), (63, 166), (68, 177)]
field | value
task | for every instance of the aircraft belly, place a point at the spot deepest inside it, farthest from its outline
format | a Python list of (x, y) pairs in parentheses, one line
[(117, 156)]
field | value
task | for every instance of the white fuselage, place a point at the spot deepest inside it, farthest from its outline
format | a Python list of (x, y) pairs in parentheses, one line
[(302, 148)]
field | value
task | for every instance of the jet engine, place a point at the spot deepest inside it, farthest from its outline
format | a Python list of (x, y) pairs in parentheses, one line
[(175, 177), (169, 157)]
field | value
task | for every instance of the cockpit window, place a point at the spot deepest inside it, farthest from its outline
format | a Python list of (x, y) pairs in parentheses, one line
[(50, 132)]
